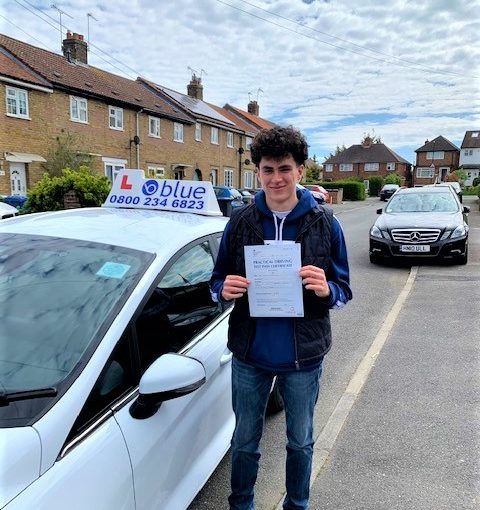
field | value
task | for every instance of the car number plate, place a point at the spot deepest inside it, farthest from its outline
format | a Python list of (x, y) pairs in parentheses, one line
[(415, 248)]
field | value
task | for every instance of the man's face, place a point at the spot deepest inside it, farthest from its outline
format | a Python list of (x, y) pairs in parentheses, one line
[(278, 178)]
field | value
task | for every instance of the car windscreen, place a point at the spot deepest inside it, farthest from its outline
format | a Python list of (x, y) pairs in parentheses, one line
[(58, 297), (422, 202)]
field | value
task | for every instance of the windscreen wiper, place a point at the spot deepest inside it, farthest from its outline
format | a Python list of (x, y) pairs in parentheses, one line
[(7, 397)]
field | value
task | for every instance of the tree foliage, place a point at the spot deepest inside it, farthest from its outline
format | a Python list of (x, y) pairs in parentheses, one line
[(338, 150), (393, 178), (368, 138), (312, 172), (375, 185), (67, 152), (48, 194)]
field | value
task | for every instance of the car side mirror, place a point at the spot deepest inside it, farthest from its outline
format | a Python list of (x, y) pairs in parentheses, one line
[(466, 209), (170, 376), (379, 211)]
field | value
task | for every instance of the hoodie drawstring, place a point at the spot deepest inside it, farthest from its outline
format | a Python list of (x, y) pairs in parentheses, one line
[(278, 229)]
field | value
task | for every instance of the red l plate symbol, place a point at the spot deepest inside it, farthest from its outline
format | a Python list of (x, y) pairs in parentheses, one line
[(125, 184)]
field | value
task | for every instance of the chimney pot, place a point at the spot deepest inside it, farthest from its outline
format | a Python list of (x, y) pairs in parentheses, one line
[(195, 88)]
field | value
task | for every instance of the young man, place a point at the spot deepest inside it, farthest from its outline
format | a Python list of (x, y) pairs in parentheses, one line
[(292, 349)]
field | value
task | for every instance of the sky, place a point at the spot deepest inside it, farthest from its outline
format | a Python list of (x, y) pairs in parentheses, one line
[(403, 70)]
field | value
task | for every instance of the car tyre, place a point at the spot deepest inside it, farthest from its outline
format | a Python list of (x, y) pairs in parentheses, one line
[(275, 401)]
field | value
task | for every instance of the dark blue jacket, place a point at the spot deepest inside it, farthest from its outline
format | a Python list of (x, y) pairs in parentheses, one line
[(273, 342)]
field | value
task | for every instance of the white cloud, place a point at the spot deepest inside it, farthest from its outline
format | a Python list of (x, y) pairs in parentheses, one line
[(415, 62)]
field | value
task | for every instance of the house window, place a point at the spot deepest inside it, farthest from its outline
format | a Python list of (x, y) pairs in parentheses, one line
[(248, 142), (177, 132), (113, 166), (78, 109), (115, 117), (468, 152), (390, 167), (214, 135), (425, 172), (229, 139), (198, 132), (248, 180), (329, 168), (346, 167), (371, 167), (17, 102), (436, 155), (228, 177), (155, 171), (154, 127), (214, 176)]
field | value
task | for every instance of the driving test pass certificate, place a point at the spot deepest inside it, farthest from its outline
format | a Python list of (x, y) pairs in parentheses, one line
[(275, 288)]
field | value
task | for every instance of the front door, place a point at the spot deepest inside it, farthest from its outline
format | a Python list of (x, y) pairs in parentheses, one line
[(18, 179)]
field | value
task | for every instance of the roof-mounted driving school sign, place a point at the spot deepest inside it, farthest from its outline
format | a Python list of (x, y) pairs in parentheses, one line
[(131, 190)]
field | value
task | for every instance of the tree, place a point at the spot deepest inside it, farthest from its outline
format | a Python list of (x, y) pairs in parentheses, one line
[(368, 138), (312, 172), (338, 150), (66, 153)]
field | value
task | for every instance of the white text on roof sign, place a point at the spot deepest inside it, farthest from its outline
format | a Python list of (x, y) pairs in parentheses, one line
[(131, 190)]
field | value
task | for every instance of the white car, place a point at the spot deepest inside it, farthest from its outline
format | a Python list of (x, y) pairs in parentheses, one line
[(115, 373), (7, 211)]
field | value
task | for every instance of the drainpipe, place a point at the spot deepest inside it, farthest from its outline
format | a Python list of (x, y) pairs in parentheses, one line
[(137, 137)]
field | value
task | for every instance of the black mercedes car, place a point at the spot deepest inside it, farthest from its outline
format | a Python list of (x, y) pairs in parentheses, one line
[(426, 222)]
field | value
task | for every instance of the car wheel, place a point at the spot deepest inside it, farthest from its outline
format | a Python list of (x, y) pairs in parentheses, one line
[(275, 401)]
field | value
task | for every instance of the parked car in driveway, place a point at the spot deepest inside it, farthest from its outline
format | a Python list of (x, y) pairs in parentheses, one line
[(427, 222), (115, 372), (387, 191), (7, 211), (228, 199), (319, 193)]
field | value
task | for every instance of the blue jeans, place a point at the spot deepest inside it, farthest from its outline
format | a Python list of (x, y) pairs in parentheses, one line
[(250, 392)]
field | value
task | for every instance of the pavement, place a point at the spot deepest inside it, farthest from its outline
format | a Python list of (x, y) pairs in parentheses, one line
[(406, 433)]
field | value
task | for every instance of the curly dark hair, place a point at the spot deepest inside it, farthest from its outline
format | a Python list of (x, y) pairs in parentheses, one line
[(279, 142)]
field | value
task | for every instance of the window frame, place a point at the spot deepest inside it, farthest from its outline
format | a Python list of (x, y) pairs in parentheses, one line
[(391, 167), (156, 171), (178, 132), (116, 164), (113, 112), (198, 132), (214, 135), (79, 100), (424, 169), (371, 167), (17, 91), (343, 165), (228, 172), (248, 176), (230, 139), (329, 167), (158, 125), (248, 142), (435, 155)]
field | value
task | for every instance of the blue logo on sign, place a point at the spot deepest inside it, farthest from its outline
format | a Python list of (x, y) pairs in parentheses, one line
[(150, 187)]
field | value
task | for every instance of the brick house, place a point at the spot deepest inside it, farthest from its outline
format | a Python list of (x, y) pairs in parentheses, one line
[(435, 160), (217, 134), (470, 156), (120, 123), (364, 160)]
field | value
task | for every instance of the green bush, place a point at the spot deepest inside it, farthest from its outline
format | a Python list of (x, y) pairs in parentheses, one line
[(393, 179), (352, 189), (376, 183), (476, 181), (48, 194)]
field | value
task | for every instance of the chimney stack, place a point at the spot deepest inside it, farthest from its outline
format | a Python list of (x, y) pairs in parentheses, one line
[(253, 108), (75, 48), (195, 87)]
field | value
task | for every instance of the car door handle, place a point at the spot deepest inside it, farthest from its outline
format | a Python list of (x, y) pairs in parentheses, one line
[(226, 358)]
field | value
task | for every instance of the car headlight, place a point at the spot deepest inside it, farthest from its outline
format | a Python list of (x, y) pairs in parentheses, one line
[(460, 231), (376, 232)]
